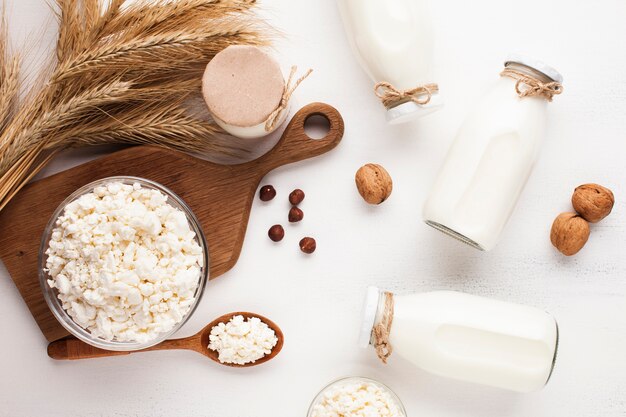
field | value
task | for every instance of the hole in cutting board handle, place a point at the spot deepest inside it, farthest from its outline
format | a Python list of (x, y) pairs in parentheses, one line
[(317, 126)]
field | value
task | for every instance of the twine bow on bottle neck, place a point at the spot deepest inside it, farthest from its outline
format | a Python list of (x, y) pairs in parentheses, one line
[(382, 329), (391, 96), (274, 117), (532, 86)]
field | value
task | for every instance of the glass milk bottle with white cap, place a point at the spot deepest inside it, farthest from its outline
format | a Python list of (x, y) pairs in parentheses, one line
[(493, 154), (393, 42), (464, 337)]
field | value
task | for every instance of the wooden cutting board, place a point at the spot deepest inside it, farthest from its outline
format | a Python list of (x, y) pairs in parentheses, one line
[(219, 195)]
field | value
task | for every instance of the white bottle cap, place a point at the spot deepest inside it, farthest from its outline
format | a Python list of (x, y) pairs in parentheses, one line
[(370, 307), (535, 64), (410, 110)]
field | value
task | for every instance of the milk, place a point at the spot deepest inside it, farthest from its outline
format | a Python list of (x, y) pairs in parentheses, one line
[(469, 338), (393, 42), (254, 132), (489, 162)]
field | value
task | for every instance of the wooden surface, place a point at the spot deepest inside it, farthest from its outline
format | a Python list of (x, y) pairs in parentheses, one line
[(219, 195), (72, 349)]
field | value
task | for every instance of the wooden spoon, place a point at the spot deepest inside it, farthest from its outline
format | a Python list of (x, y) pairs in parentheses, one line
[(72, 348)]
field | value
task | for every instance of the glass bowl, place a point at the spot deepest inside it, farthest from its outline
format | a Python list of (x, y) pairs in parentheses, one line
[(51, 294), (358, 379)]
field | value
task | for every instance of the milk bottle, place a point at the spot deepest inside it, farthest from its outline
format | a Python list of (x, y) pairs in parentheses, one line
[(392, 41), (464, 337)]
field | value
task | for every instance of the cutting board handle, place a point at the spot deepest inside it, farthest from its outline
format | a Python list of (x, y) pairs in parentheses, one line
[(295, 145)]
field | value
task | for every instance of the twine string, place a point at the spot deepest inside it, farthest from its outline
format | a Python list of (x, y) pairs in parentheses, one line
[(274, 117), (382, 329), (391, 96), (527, 86)]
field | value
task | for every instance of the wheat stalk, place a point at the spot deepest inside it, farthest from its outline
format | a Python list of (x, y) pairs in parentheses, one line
[(52, 123), (167, 50), (9, 78), (124, 73), (145, 16)]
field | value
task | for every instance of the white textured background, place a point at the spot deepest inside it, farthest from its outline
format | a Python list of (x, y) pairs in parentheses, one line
[(317, 299)]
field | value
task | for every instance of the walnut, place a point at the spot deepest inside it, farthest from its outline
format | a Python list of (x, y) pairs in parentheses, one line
[(593, 202), (374, 183), (569, 233)]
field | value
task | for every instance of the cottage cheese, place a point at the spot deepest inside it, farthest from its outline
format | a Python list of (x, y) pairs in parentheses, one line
[(355, 398), (126, 264), (240, 341)]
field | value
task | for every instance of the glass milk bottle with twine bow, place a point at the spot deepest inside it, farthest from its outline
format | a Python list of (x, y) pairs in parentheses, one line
[(493, 154), (463, 336), (393, 43)]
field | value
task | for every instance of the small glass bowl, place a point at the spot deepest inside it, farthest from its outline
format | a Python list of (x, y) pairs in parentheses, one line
[(51, 294), (358, 379)]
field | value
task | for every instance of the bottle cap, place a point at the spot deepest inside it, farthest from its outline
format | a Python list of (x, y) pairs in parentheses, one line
[(370, 307), (535, 64), (408, 111), (242, 86)]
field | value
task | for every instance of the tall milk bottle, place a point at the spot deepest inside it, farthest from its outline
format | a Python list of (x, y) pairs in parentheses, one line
[(393, 42), (464, 337), (493, 154)]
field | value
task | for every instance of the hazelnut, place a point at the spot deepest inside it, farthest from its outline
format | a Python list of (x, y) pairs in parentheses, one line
[(267, 192), (296, 197), (593, 202), (569, 233), (276, 233), (295, 215), (374, 183), (308, 245)]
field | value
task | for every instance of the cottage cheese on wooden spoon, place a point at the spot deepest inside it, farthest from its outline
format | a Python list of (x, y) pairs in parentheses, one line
[(242, 341)]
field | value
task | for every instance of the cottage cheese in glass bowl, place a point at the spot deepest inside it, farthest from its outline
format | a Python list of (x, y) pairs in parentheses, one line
[(123, 263), (356, 397)]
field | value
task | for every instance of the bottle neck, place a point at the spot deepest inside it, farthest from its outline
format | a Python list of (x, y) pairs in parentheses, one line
[(380, 311), (380, 336), (384, 313), (529, 72)]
